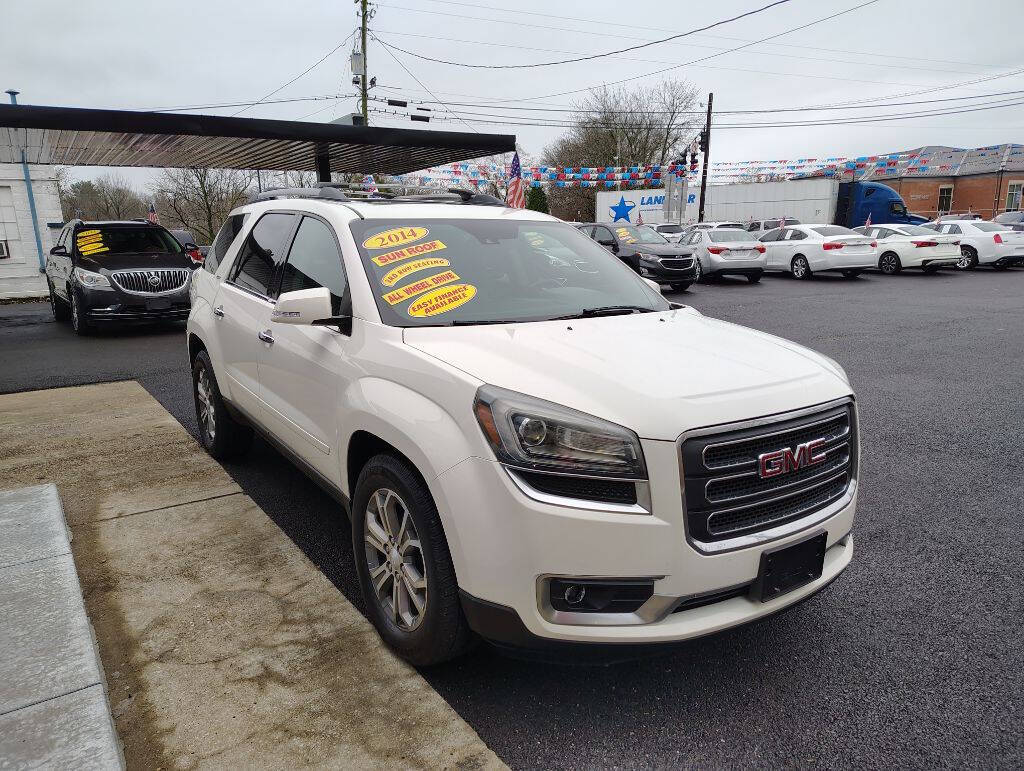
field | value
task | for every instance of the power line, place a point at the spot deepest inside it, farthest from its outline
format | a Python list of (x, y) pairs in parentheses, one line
[(590, 57), (250, 104), (309, 69), (619, 24), (409, 72)]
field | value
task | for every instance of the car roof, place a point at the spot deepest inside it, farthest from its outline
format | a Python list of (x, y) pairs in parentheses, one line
[(146, 223), (385, 209)]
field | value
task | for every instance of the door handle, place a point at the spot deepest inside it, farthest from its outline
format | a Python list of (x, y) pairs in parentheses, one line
[(219, 311), (266, 337)]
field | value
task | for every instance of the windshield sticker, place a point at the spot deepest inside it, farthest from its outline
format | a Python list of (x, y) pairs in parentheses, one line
[(625, 235), (411, 290), (90, 242), (442, 300), (410, 251), (393, 276), (395, 237)]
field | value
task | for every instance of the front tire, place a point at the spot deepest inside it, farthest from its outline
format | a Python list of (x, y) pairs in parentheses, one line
[(220, 434), (79, 322), (699, 275), (968, 258), (800, 268), (404, 566), (889, 263)]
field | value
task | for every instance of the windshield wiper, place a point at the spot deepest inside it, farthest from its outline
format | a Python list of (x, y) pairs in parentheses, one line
[(606, 310)]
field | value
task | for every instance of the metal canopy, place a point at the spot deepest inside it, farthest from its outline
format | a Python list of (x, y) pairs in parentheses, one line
[(85, 137)]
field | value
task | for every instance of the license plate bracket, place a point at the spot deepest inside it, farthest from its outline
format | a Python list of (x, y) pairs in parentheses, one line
[(158, 304), (790, 567)]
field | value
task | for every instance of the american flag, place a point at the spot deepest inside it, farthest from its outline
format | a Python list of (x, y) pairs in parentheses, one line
[(867, 222), (515, 197), (370, 185), (152, 216)]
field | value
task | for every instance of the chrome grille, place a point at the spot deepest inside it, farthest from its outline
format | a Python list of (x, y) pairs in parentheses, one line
[(155, 281), (725, 495)]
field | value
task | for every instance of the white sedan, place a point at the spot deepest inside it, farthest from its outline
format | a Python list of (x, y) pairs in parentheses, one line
[(985, 243), (804, 250), (912, 246)]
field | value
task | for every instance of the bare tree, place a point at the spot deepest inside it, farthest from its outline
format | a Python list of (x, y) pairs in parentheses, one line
[(199, 199), (622, 126)]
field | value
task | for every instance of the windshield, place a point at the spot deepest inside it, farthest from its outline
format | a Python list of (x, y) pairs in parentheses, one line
[(670, 228), (729, 234), (915, 230), (97, 242), (990, 227), (633, 234), (1010, 216), (834, 230), (429, 272)]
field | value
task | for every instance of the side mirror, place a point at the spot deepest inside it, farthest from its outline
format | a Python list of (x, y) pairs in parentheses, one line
[(608, 243), (303, 306), (59, 251), (653, 285)]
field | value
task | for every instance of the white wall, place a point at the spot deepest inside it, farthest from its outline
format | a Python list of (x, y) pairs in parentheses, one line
[(19, 273), (646, 203)]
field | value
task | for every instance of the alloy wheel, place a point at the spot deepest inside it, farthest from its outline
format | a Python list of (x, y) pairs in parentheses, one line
[(394, 558), (75, 321), (698, 270), (800, 267), (888, 263), (207, 413), (966, 259)]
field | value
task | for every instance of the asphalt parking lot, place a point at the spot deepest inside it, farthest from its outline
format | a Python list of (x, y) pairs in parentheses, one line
[(912, 658)]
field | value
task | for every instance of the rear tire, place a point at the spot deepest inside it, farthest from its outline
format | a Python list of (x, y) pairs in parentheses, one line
[(753, 278), (800, 268), (889, 263), (699, 275), (58, 307), (397, 538), (220, 434), (968, 258), (999, 267)]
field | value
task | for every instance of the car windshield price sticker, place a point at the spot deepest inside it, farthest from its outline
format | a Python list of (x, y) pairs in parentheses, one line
[(394, 275), (90, 242), (442, 300), (395, 237), (410, 251), (625, 235), (411, 290)]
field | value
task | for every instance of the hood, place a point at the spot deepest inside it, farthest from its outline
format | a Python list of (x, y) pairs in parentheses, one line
[(658, 374), (130, 261), (663, 250)]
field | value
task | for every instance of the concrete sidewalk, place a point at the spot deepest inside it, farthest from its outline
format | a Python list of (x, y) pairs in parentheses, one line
[(53, 704), (222, 644)]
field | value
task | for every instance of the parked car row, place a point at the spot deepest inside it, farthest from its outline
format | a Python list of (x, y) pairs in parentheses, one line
[(708, 250)]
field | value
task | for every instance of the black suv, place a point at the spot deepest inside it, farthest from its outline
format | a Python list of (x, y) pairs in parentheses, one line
[(127, 272), (647, 252)]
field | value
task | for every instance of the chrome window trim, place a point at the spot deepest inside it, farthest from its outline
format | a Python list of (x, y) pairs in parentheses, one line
[(789, 528), (643, 493)]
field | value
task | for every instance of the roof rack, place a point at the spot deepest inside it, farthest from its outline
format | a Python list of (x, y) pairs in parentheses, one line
[(324, 190), (452, 195)]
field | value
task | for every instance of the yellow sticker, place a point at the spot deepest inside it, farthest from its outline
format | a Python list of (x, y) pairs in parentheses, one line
[(625, 236), (410, 251), (442, 300), (95, 251), (86, 233), (393, 276), (395, 237), (82, 240), (411, 290), (90, 248)]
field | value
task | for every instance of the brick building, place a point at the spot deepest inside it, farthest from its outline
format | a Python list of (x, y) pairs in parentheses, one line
[(986, 180)]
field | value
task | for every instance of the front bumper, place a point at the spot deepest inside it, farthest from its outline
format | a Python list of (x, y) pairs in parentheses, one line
[(114, 306), (664, 270), (505, 552)]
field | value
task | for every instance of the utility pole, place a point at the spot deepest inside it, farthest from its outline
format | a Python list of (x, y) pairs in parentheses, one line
[(705, 147), (363, 85)]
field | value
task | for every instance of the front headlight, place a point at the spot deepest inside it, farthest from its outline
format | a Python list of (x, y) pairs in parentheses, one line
[(649, 259), (91, 280), (535, 434)]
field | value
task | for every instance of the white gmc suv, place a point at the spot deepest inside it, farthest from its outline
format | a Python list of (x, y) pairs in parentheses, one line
[(532, 444)]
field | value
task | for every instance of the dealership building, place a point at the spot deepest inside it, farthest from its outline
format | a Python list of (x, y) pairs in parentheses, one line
[(986, 180), (26, 237)]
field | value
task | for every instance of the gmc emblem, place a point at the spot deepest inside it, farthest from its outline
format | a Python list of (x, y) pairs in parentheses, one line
[(772, 464)]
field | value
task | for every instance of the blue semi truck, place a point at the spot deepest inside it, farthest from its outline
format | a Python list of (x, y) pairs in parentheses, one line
[(817, 200)]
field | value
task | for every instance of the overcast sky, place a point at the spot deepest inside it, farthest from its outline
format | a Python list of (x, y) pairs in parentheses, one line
[(121, 54)]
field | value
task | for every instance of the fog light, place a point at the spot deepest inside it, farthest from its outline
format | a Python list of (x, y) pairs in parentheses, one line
[(574, 594)]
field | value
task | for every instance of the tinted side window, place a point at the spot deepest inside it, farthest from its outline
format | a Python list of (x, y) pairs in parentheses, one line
[(603, 234), (795, 235), (771, 235), (232, 225), (953, 229), (753, 226), (314, 261), (254, 267)]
